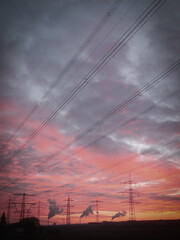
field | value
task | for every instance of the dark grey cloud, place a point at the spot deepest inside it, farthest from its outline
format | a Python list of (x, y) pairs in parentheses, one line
[(37, 40), (166, 198)]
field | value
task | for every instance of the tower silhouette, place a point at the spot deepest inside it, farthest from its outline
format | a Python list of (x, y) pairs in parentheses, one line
[(68, 210), (38, 211), (97, 209), (131, 201), (23, 205), (132, 216), (9, 211)]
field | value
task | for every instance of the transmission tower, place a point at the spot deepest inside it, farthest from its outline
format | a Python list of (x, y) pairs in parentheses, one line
[(131, 193), (97, 209), (23, 205), (132, 216), (68, 211)]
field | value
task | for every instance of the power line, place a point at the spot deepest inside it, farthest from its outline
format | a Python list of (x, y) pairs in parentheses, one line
[(142, 19), (129, 100), (146, 164), (136, 169), (72, 61), (94, 50), (123, 104), (124, 124)]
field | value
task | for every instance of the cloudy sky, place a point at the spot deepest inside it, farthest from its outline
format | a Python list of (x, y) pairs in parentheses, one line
[(90, 95)]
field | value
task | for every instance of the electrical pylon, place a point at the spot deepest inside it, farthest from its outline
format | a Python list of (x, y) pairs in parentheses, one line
[(97, 209), (23, 204), (132, 216), (131, 192), (68, 211)]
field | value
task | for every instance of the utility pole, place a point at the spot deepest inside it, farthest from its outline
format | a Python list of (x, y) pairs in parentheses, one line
[(68, 211), (38, 211), (97, 209), (9, 211), (23, 206)]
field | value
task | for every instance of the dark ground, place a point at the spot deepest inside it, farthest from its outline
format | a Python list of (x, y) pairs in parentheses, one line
[(161, 230)]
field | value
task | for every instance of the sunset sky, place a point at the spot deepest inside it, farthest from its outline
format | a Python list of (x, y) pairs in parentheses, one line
[(90, 95)]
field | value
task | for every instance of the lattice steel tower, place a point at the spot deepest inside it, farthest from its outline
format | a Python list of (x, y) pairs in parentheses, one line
[(132, 216), (130, 191), (97, 209), (68, 211), (23, 205)]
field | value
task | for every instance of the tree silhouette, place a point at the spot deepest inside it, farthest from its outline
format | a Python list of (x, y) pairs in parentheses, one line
[(3, 219)]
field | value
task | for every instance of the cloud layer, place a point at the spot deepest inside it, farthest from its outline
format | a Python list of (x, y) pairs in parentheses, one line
[(38, 40)]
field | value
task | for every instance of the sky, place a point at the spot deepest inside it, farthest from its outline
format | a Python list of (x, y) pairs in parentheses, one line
[(89, 101)]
